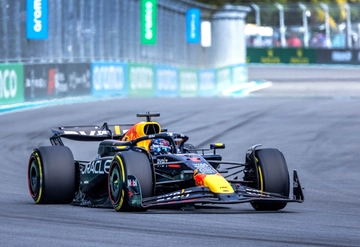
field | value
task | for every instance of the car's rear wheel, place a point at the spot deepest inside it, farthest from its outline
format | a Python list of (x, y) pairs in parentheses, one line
[(51, 175), (273, 176), (123, 165)]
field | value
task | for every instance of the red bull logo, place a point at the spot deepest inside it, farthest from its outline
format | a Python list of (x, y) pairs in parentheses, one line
[(131, 134), (141, 129), (199, 179), (215, 182)]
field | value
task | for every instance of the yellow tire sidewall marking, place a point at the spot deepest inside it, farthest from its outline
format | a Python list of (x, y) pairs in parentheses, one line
[(261, 181), (37, 157), (121, 199)]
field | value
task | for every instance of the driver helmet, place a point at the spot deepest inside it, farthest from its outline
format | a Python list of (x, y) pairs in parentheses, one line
[(159, 146)]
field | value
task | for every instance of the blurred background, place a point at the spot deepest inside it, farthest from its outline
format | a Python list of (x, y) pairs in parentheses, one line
[(330, 24), (59, 48)]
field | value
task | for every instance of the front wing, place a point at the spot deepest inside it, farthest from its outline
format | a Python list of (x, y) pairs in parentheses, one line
[(203, 195)]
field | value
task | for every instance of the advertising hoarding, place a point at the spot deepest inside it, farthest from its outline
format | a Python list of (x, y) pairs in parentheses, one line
[(37, 19), (148, 21)]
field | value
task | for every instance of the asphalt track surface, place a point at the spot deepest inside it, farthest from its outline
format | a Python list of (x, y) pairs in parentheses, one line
[(319, 134)]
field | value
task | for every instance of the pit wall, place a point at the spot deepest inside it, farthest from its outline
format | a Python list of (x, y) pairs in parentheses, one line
[(33, 82), (302, 56)]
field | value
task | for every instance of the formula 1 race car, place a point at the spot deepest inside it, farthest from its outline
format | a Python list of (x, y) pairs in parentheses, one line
[(132, 171)]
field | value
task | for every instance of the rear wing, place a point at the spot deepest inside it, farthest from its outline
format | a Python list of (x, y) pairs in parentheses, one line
[(89, 132), (106, 131)]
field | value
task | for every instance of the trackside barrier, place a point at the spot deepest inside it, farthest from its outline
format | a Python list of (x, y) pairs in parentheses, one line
[(56, 80), (37, 82), (167, 81), (207, 83), (109, 78), (11, 83), (302, 56), (147, 80), (141, 80)]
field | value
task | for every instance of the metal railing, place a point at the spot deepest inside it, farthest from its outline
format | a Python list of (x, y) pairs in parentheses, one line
[(87, 30), (320, 25)]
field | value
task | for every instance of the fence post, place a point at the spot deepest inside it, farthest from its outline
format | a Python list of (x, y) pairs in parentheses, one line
[(305, 24), (348, 26), (258, 22), (282, 24), (327, 24)]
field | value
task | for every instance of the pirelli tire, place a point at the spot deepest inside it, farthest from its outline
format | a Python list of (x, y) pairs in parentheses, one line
[(124, 164), (51, 175), (273, 176)]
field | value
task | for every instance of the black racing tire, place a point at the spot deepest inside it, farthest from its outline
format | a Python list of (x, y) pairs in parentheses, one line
[(190, 148), (124, 164), (51, 175), (273, 177)]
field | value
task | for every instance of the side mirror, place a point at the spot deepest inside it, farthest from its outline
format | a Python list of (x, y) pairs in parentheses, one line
[(217, 146)]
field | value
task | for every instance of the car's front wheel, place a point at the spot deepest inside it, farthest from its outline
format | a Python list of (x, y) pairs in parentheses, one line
[(124, 168), (273, 176)]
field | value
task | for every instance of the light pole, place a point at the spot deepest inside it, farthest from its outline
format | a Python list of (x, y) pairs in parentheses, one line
[(257, 22), (282, 25), (327, 25), (305, 24), (348, 26)]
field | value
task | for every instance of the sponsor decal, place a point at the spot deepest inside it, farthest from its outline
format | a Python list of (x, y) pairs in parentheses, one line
[(91, 133), (77, 77), (174, 166), (33, 82), (166, 79), (148, 21), (188, 84), (270, 57), (79, 80), (223, 77), (97, 167), (131, 134), (255, 192), (299, 59), (161, 161), (36, 82), (46, 81), (199, 178), (173, 196), (141, 78), (204, 168), (109, 77), (56, 82), (193, 25), (8, 84), (341, 56), (207, 82), (188, 80), (239, 74), (132, 182), (37, 19), (11, 83)]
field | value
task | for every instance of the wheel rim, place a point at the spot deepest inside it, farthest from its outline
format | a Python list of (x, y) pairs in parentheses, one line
[(115, 184), (34, 178)]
